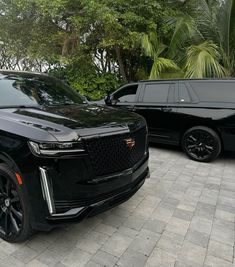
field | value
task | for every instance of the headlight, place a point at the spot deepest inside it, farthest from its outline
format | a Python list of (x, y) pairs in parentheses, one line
[(55, 148)]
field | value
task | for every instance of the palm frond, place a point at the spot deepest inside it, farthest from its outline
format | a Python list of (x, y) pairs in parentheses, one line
[(203, 60), (147, 46), (205, 15), (226, 25), (153, 48), (161, 65), (201, 11), (185, 28), (151, 44)]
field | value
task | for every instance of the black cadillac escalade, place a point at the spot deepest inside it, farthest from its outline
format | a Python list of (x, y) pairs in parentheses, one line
[(61, 159), (197, 114)]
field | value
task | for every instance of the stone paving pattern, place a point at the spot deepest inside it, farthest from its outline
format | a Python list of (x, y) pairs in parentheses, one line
[(182, 217)]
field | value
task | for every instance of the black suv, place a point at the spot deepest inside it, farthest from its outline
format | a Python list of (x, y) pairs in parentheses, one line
[(61, 159), (197, 114)]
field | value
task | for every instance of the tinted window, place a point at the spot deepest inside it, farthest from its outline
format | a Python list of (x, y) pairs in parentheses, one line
[(184, 94), (127, 94), (22, 89), (156, 92), (215, 91)]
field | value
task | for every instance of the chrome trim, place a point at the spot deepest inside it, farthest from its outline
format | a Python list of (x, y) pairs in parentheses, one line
[(70, 212), (76, 211), (46, 189)]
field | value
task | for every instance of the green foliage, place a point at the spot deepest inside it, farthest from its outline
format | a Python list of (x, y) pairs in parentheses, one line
[(98, 45), (87, 82), (163, 66), (203, 61), (154, 48), (95, 86)]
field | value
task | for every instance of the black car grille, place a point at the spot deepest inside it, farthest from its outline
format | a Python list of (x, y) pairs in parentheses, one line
[(111, 154)]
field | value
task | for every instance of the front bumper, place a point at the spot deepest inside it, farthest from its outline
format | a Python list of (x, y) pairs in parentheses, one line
[(78, 210)]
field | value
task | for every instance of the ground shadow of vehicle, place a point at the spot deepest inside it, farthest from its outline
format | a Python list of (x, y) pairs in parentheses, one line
[(175, 149)]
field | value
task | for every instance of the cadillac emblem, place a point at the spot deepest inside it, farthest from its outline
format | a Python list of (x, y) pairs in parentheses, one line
[(130, 142)]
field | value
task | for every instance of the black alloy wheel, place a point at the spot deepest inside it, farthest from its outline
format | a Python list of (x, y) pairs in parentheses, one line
[(14, 215), (201, 144)]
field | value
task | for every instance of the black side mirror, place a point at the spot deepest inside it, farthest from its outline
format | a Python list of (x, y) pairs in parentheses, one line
[(108, 100), (88, 98)]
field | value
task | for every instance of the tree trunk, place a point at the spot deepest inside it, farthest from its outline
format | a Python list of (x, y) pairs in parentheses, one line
[(65, 48), (120, 63)]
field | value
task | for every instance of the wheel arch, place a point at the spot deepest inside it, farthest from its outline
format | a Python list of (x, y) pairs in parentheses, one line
[(5, 158)]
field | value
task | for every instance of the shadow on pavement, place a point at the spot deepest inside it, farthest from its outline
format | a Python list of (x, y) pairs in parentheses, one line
[(223, 155)]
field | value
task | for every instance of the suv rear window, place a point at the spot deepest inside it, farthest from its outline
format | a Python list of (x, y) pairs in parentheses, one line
[(156, 92), (215, 91)]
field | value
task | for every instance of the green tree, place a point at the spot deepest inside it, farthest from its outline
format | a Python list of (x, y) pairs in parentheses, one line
[(96, 44)]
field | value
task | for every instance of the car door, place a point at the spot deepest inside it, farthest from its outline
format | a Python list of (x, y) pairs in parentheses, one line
[(157, 105), (125, 97)]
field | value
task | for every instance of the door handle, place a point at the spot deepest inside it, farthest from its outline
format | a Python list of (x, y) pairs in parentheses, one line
[(166, 109)]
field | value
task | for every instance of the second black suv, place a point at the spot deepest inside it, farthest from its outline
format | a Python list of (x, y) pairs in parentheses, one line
[(197, 114)]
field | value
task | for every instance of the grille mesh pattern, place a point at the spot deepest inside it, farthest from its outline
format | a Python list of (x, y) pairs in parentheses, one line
[(111, 154)]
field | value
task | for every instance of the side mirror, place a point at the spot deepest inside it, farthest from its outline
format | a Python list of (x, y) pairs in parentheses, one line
[(86, 98), (108, 100)]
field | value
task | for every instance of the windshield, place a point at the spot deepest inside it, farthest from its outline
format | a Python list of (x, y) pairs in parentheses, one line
[(18, 89)]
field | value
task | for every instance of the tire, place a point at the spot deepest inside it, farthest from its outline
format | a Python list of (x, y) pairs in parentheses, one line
[(14, 209), (201, 144)]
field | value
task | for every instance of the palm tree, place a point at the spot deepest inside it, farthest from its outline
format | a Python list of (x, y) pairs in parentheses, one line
[(154, 49), (210, 28), (202, 41)]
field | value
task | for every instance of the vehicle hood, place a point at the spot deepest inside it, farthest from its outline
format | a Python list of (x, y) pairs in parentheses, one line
[(66, 123)]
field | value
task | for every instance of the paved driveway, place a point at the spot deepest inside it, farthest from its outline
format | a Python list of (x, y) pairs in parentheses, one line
[(183, 216)]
